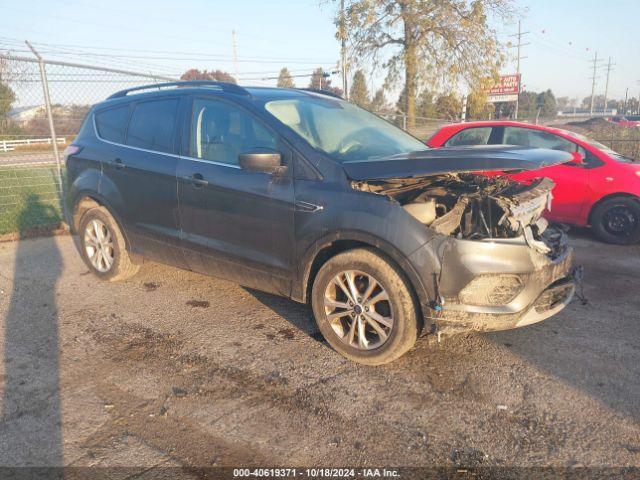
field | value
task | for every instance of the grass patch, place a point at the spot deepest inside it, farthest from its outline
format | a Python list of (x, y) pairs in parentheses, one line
[(29, 199)]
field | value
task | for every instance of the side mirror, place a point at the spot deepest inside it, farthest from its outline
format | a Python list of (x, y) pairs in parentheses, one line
[(261, 160), (578, 158)]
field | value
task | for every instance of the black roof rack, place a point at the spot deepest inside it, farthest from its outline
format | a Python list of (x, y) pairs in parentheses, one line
[(322, 92), (224, 86)]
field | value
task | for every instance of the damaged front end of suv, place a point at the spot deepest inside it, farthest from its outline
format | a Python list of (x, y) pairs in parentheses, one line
[(499, 264)]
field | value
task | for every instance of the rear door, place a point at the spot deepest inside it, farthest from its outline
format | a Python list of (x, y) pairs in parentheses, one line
[(235, 224), (571, 179), (140, 174)]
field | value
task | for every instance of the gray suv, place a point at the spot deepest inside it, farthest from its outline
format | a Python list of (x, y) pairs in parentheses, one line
[(304, 195)]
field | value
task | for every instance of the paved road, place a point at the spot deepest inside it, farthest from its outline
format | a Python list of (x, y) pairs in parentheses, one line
[(176, 369)]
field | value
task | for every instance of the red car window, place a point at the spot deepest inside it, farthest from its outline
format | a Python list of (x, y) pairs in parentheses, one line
[(470, 136), (536, 138)]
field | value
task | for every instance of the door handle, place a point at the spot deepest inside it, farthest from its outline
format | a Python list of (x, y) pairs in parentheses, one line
[(118, 164), (197, 180)]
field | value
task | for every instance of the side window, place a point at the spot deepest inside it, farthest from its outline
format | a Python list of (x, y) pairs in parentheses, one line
[(112, 123), (528, 137), (152, 125), (590, 160), (470, 136), (220, 132)]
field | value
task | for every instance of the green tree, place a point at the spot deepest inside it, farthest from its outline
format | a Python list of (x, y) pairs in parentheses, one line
[(563, 103), (449, 107), (504, 109), (320, 81), (546, 103), (284, 79), (217, 75), (379, 101), (477, 106), (425, 105), (527, 105), (633, 105), (426, 43), (598, 102), (7, 97), (359, 94)]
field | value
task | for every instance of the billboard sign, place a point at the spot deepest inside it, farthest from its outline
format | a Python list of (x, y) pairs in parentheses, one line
[(506, 90)]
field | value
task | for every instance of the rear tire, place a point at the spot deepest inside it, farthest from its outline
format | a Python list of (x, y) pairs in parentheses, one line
[(617, 220), (364, 307), (102, 246)]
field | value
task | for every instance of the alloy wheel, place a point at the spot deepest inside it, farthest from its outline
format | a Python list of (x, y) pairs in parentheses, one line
[(358, 309), (98, 245)]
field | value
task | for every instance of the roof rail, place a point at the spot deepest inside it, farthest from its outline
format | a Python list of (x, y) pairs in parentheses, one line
[(224, 86), (322, 92)]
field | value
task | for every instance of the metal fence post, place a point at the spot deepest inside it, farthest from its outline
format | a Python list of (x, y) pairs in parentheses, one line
[(52, 129)]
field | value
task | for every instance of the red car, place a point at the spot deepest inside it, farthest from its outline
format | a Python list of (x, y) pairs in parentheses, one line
[(628, 121), (599, 188)]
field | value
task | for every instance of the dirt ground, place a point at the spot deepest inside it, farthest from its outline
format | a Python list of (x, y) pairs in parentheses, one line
[(174, 369)]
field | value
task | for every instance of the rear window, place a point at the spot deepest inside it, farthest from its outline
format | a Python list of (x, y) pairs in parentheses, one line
[(112, 123), (528, 137), (152, 125), (470, 136)]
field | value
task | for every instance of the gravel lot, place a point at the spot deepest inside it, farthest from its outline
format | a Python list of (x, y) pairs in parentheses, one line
[(172, 368)]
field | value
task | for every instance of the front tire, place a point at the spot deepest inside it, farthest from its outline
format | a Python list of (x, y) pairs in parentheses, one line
[(617, 220), (364, 307), (102, 246)]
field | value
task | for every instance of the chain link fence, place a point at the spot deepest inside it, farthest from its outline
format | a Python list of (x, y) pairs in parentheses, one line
[(622, 139), (42, 105), (422, 128)]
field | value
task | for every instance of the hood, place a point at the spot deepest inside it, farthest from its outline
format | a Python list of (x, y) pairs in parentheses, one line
[(440, 161)]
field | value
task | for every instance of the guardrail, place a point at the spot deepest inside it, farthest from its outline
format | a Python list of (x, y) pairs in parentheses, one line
[(10, 145)]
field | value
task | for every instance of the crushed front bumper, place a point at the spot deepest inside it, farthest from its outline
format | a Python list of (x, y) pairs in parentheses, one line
[(501, 284)]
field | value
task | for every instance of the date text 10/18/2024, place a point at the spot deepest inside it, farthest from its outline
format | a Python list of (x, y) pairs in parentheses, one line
[(316, 472)]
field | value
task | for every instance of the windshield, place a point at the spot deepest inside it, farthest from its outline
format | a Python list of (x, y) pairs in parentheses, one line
[(342, 130), (612, 153)]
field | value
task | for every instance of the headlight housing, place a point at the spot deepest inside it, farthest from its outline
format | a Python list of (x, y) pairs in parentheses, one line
[(491, 290)]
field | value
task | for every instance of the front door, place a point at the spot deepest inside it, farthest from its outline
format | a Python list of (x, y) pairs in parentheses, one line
[(235, 224)]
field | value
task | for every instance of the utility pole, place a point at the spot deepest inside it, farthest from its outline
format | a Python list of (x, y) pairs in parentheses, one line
[(626, 99), (235, 55), (593, 82), (519, 46), (343, 49), (606, 88)]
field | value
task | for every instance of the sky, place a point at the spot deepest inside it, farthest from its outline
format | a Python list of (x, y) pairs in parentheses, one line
[(168, 37)]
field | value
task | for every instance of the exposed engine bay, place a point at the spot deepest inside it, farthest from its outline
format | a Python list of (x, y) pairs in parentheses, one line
[(476, 207)]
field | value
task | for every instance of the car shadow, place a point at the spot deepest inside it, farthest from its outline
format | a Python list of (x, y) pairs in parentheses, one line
[(298, 314), (31, 425)]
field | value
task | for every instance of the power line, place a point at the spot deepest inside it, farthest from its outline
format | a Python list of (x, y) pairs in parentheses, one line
[(181, 53), (164, 54)]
